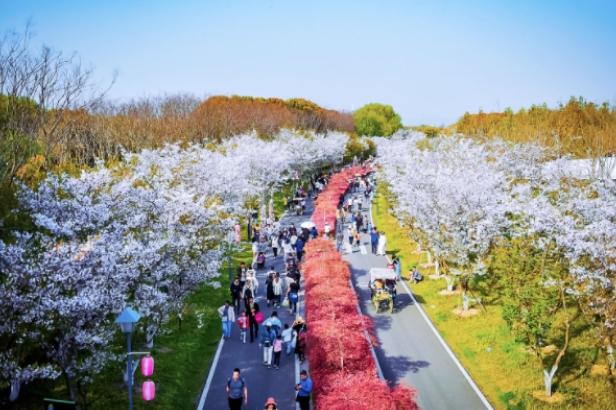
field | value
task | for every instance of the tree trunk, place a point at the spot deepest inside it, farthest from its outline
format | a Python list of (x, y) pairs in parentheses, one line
[(71, 391), (149, 337), (436, 267), (450, 283), (547, 380), (15, 387)]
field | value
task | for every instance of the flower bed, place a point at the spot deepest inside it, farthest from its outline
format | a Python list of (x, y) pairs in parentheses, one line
[(325, 205), (341, 363)]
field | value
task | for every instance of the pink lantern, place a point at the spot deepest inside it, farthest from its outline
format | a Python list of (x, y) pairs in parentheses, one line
[(149, 390), (237, 228), (237, 238), (147, 366)]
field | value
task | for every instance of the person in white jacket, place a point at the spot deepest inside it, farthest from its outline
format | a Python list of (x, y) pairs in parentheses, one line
[(254, 281), (278, 292), (227, 315)]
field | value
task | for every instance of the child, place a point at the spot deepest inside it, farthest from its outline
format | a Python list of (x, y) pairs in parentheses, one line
[(277, 351), (243, 322)]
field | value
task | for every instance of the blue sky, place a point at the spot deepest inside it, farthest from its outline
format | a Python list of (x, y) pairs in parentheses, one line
[(431, 60)]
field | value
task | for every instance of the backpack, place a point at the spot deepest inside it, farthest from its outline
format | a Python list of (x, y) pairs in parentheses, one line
[(267, 341), (293, 297)]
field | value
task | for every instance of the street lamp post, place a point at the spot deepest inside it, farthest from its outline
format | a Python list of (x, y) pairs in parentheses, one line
[(127, 321)]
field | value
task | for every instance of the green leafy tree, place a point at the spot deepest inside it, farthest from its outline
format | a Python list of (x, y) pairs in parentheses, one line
[(377, 120)]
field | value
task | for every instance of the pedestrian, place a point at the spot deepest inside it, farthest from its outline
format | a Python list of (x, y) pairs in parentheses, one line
[(300, 346), (382, 244), (270, 404), (326, 230), (313, 232), (397, 266), (293, 295), (339, 239), (252, 279), (304, 390), (266, 341), (277, 351), (343, 215), (269, 289), (299, 248), (285, 202), (275, 245), (277, 287), (236, 294), (374, 240), (241, 273), (287, 337), (236, 391), (274, 322), (367, 223), (242, 321), (252, 310), (351, 235), (357, 237), (227, 315), (247, 293), (415, 275), (287, 249)]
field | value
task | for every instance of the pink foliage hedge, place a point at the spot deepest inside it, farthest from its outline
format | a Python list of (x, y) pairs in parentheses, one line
[(325, 205), (341, 363)]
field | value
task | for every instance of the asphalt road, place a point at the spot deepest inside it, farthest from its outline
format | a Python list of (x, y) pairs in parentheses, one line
[(261, 381), (409, 351)]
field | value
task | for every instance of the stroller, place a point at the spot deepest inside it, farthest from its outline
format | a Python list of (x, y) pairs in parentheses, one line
[(261, 260)]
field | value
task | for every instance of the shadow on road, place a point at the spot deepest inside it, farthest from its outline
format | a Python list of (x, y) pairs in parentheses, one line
[(399, 366)]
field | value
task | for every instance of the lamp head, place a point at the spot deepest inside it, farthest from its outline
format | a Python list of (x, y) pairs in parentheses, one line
[(127, 320)]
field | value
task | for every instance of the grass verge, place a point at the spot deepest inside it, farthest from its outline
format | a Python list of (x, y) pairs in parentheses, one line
[(502, 368)]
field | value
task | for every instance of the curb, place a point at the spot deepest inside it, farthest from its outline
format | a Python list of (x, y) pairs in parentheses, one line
[(210, 375)]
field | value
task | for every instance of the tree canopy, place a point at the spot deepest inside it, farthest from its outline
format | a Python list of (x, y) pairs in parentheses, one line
[(377, 120)]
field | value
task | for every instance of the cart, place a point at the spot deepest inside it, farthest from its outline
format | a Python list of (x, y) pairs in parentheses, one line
[(380, 296)]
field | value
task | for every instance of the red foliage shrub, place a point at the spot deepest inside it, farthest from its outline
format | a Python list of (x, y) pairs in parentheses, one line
[(325, 205), (341, 363)]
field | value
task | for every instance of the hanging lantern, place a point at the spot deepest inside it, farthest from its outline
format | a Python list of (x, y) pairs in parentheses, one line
[(237, 228), (237, 238), (149, 390), (147, 366)]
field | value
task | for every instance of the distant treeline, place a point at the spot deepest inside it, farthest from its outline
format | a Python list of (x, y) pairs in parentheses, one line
[(579, 127), (79, 136)]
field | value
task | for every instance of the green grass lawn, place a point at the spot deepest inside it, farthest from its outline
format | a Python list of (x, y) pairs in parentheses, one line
[(500, 366)]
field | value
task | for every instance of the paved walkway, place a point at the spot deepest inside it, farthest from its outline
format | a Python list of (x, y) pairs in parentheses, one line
[(261, 381), (409, 350)]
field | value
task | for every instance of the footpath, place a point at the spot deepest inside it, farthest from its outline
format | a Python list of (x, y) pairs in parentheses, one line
[(261, 382), (410, 349)]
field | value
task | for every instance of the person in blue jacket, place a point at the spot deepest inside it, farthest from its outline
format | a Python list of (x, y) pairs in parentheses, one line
[(374, 239), (304, 389)]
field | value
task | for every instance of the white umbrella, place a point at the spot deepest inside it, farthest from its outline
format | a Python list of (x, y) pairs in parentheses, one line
[(308, 225)]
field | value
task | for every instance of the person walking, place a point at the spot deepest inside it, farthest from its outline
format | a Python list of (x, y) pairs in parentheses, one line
[(304, 390), (252, 309), (274, 241), (241, 273), (277, 351), (293, 295), (269, 288), (277, 286), (227, 315), (266, 341), (357, 237), (252, 279), (299, 248), (351, 235), (339, 240), (236, 294), (374, 240), (247, 293), (287, 337), (397, 266), (242, 321), (382, 244), (237, 391)]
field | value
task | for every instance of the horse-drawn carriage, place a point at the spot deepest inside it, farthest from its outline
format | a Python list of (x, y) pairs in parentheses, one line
[(382, 286)]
